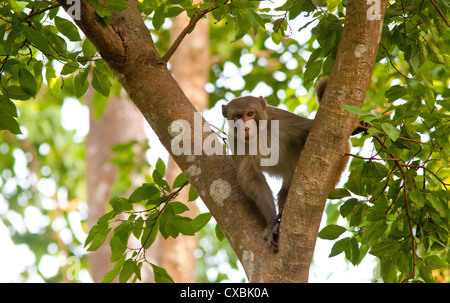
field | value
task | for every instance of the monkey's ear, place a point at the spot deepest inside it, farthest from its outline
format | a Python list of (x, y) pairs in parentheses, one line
[(263, 102), (224, 110)]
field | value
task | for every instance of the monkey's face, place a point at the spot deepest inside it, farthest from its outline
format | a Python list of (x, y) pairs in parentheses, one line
[(245, 112)]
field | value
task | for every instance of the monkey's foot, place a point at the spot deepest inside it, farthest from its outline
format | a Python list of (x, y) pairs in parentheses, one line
[(271, 235), (362, 126)]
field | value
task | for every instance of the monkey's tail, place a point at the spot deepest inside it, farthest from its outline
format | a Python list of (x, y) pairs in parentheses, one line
[(320, 87)]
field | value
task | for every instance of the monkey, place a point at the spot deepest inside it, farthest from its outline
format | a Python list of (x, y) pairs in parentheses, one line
[(248, 113)]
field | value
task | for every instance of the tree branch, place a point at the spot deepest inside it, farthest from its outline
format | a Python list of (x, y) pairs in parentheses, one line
[(127, 48), (41, 11), (328, 137), (440, 13), (183, 34)]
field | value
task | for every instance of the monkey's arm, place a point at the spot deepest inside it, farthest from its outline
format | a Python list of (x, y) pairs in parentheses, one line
[(254, 184)]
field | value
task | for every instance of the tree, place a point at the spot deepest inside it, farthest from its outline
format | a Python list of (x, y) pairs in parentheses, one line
[(393, 212)]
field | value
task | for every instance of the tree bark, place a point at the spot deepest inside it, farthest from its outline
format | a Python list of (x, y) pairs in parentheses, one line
[(325, 146), (127, 47)]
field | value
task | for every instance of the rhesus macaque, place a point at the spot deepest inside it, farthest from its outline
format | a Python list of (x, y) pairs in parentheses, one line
[(293, 131)]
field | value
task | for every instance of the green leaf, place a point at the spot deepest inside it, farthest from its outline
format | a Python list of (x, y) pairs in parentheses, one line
[(174, 11), (138, 227), (348, 206), (54, 81), (312, 71), (390, 130), (357, 111), (200, 221), (15, 92), (161, 275), (159, 17), (243, 23), (117, 5), (70, 67), (118, 248), (338, 193), (437, 203), (111, 275), (435, 54), (332, 4), (120, 204), (39, 41), (144, 192), (339, 247), (27, 82), (193, 195), (160, 167), (219, 234), (80, 82), (374, 170), (331, 232), (182, 225), (88, 48), (417, 198), (388, 270), (395, 92), (7, 107), (355, 184), (127, 271), (100, 81), (435, 262), (157, 178), (8, 122), (67, 28), (352, 252), (97, 235), (178, 207), (150, 232), (102, 11), (179, 181), (385, 248)]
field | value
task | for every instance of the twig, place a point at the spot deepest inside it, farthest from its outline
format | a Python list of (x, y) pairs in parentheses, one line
[(440, 13), (41, 11), (373, 158), (185, 31), (405, 178), (392, 63)]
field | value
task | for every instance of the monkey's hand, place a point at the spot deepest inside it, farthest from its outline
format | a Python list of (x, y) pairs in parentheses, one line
[(361, 126), (271, 235)]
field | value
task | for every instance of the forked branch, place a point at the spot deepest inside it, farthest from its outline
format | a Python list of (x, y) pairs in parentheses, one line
[(185, 31)]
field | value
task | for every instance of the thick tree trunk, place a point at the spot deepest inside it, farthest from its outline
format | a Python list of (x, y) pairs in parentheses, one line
[(127, 47), (328, 137), (189, 69)]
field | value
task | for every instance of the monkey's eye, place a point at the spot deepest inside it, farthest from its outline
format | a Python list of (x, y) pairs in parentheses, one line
[(238, 116), (250, 114)]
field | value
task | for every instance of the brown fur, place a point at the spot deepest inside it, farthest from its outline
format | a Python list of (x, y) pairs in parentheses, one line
[(293, 131)]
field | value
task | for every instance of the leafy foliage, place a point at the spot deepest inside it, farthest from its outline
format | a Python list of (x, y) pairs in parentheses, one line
[(396, 201), (161, 215)]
